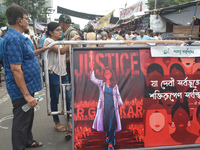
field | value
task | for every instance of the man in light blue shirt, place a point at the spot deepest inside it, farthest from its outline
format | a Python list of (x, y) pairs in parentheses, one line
[(41, 43), (27, 34), (143, 37)]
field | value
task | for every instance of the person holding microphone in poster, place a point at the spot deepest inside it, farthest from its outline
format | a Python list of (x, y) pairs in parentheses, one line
[(107, 117)]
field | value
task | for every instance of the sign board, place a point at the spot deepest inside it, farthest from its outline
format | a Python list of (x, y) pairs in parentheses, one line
[(132, 10), (146, 101), (175, 51), (157, 24)]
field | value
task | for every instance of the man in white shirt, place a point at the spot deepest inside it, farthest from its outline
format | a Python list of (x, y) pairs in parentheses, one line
[(129, 36)]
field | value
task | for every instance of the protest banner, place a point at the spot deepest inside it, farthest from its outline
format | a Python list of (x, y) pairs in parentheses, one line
[(104, 21), (149, 101), (132, 10)]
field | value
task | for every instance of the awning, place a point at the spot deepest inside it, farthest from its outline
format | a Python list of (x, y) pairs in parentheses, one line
[(180, 14)]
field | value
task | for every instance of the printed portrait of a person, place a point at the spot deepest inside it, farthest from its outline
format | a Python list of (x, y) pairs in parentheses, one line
[(107, 118)]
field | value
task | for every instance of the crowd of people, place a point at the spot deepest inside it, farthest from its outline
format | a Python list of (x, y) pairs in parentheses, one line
[(91, 34), (20, 51)]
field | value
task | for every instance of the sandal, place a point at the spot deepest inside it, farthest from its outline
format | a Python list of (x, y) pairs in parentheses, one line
[(60, 127), (69, 127), (35, 144)]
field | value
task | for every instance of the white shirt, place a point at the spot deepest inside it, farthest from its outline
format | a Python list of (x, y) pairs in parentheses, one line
[(129, 37), (53, 60)]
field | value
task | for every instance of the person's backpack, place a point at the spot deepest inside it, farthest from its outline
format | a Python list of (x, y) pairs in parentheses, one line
[(82, 38)]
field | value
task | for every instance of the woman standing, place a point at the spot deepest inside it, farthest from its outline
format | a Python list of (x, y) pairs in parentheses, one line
[(104, 37), (107, 118), (91, 35), (54, 33)]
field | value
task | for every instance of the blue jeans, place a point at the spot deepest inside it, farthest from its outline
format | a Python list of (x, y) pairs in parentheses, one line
[(54, 93)]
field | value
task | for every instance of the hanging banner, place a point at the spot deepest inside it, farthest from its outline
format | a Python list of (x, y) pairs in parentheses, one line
[(157, 24), (131, 11), (39, 26), (104, 21), (175, 51), (124, 98), (109, 26)]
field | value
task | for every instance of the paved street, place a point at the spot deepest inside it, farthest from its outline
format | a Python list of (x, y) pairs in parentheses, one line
[(43, 129)]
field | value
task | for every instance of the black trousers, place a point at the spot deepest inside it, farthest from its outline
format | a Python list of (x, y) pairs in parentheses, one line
[(1, 64), (69, 71), (22, 125)]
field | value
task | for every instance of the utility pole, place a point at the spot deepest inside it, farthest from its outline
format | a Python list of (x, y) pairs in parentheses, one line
[(194, 17), (155, 4)]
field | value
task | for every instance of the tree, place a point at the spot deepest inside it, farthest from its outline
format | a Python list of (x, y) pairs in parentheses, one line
[(2, 19), (36, 8), (165, 3)]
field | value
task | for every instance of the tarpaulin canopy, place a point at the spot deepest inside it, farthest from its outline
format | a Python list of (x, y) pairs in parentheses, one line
[(109, 26), (180, 14), (39, 25), (69, 12)]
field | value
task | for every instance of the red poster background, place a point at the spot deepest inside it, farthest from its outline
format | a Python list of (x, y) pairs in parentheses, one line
[(147, 120)]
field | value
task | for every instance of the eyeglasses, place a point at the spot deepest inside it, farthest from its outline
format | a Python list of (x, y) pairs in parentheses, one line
[(59, 30), (26, 18)]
